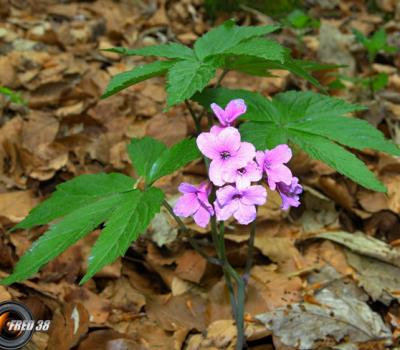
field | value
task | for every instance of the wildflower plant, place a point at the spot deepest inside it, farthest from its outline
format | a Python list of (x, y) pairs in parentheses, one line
[(245, 151), (375, 44)]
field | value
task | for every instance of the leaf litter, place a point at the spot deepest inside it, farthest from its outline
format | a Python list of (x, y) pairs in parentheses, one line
[(168, 297)]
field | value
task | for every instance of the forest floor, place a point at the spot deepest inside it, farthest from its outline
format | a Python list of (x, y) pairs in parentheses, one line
[(162, 294)]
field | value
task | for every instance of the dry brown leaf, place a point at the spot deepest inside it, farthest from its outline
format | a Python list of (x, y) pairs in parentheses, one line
[(191, 266), (68, 326), (167, 129), (99, 308), (4, 294), (124, 296), (15, 205)]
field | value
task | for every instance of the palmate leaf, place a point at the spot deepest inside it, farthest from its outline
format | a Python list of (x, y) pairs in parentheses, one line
[(227, 36), (317, 123), (260, 48), (74, 194), (81, 205), (152, 159), (133, 214), (185, 78), (136, 75), (171, 50)]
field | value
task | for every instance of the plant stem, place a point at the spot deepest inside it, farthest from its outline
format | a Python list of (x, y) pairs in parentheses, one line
[(221, 255), (197, 121), (241, 291), (221, 77), (191, 241), (250, 253)]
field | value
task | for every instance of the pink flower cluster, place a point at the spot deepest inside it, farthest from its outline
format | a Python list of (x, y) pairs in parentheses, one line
[(234, 166)]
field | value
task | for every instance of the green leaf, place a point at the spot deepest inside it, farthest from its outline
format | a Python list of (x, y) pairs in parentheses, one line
[(248, 65), (171, 50), (265, 135), (338, 158), (351, 132), (74, 194), (296, 105), (360, 37), (260, 48), (152, 159), (185, 78), (226, 36), (378, 40), (135, 211), (136, 75), (96, 201), (143, 153), (15, 97), (174, 158), (379, 81), (310, 120)]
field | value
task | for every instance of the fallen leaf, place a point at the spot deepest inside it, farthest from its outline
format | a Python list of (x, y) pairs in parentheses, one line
[(365, 245), (378, 279), (191, 266), (69, 324), (4, 294), (16, 205), (301, 325)]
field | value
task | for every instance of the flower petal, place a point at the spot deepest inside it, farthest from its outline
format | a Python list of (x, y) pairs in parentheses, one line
[(260, 158), (187, 205), (254, 195), (207, 144), (253, 171), (185, 187), (225, 212), (219, 113), (225, 194), (215, 172), (242, 181), (234, 109), (202, 217), (245, 154), (245, 213), (216, 129), (229, 140), (278, 155), (280, 173)]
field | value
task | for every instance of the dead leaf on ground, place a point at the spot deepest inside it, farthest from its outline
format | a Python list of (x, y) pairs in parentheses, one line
[(302, 325), (380, 280), (15, 205), (365, 245), (68, 326)]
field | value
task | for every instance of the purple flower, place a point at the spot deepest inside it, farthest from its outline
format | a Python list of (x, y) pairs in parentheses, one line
[(239, 203), (194, 202), (290, 193), (243, 176), (232, 111), (272, 162), (226, 152)]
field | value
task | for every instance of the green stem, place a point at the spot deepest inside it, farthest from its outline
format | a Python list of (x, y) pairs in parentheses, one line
[(197, 121), (220, 248), (191, 241), (221, 77), (250, 253), (239, 298)]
